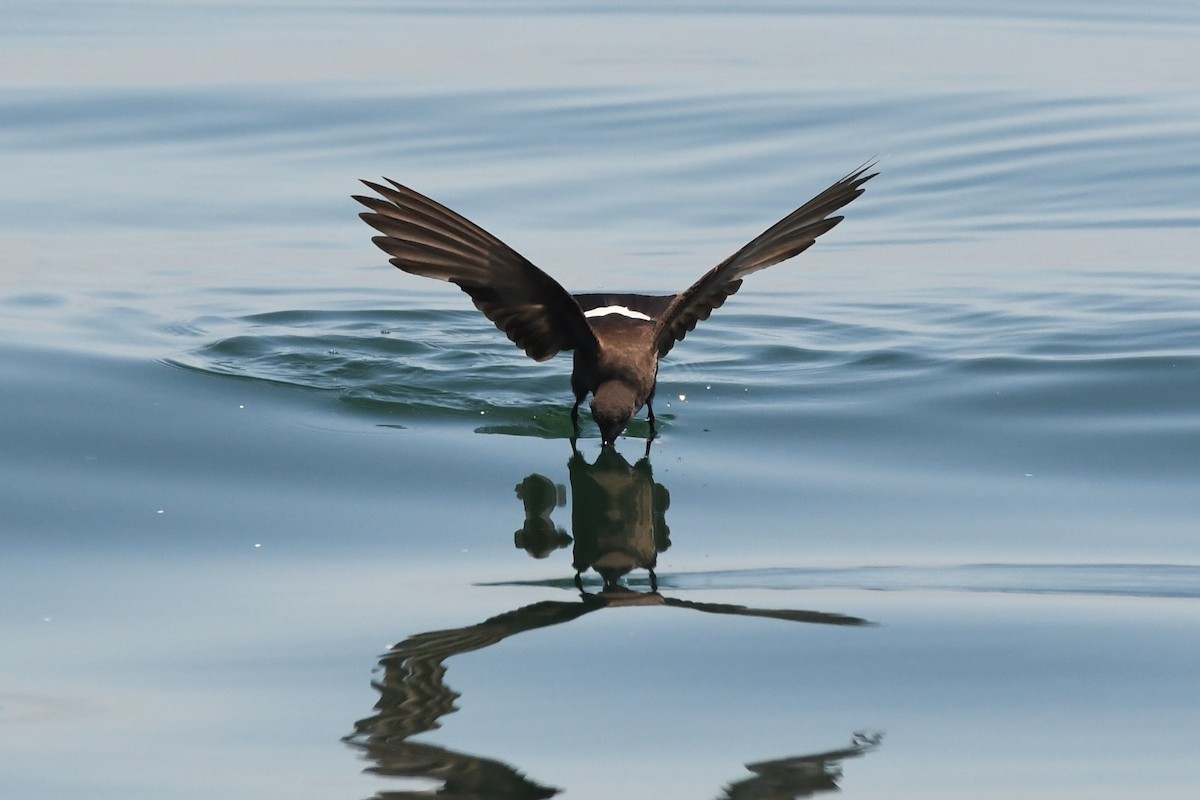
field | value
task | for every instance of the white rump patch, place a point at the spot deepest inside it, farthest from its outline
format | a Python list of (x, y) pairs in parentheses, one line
[(622, 310)]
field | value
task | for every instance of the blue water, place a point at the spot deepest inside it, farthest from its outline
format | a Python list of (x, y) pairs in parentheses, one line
[(280, 520)]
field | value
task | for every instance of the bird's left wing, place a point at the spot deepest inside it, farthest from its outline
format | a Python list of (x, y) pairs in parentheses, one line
[(426, 238)]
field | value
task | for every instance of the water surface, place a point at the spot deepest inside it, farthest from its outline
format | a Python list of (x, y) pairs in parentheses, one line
[(281, 520)]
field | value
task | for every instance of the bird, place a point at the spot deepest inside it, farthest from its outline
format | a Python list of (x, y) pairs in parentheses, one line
[(617, 339)]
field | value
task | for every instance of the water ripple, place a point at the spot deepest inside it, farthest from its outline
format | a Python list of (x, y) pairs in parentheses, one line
[(394, 364), (1109, 353), (957, 164), (1114, 580)]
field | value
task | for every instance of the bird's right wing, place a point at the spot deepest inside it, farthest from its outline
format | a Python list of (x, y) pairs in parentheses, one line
[(791, 236), (426, 238)]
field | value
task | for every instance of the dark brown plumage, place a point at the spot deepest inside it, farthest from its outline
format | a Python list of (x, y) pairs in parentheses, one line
[(617, 338)]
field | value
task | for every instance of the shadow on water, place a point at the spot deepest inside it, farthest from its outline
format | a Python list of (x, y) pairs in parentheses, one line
[(619, 525)]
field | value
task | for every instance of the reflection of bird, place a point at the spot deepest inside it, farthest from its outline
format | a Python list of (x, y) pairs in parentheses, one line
[(617, 338), (799, 776), (538, 536), (413, 696), (618, 516)]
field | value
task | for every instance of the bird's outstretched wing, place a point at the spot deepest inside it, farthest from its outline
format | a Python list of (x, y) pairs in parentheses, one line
[(426, 238), (790, 236)]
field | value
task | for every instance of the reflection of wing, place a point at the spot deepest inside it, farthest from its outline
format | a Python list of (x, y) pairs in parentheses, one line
[(413, 696), (465, 777), (798, 776), (819, 617)]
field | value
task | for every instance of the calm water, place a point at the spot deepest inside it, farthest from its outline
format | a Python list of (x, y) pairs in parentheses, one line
[(280, 520)]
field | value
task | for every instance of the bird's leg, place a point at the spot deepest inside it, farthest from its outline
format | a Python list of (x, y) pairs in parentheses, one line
[(575, 416), (653, 581), (653, 431)]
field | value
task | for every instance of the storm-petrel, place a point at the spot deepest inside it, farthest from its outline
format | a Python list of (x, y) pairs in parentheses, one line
[(617, 338)]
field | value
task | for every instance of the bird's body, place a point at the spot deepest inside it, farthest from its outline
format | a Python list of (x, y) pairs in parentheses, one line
[(624, 369), (617, 339)]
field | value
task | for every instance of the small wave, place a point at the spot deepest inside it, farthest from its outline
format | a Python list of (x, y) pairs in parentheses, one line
[(1096, 356), (392, 364), (1118, 580), (1110, 580), (1097, 390)]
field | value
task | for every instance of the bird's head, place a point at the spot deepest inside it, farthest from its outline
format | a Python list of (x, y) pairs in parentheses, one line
[(613, 405)]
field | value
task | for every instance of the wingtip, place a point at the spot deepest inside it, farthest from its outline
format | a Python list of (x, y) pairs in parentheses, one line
[(858, 174), (372, 185), (399, 186)]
